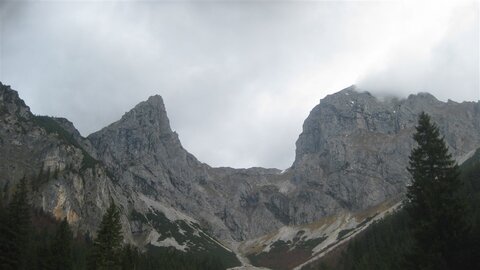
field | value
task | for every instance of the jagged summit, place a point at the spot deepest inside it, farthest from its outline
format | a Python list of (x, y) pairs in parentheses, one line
[(10, 102), (153, 103), (155, 99), (424, 97), (143, 133), (143, 130), (145, 115), (354, 92), (352, 141), (348, 97), (350, 89)]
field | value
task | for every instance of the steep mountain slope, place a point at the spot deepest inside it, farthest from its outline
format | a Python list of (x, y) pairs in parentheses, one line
[(383, 245), (147, 156), (350, 157), (68, 181), (292, 247), (354, 149)]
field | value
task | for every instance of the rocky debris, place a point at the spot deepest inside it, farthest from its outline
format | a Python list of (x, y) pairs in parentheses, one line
[(291, 247)]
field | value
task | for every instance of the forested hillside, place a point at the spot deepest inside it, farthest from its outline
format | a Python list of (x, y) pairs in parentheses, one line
[(34, 240), (385, 245)]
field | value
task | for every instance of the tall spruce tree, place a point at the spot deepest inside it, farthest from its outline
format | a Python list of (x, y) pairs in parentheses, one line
[(61, 248), (434, 202), (20, 222), (108, 244), (7, 260)]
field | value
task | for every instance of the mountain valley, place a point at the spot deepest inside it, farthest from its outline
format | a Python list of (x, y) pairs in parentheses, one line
[(349, 171)]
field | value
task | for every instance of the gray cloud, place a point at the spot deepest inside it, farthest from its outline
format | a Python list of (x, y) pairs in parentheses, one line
[(238, 78), (449, 67)]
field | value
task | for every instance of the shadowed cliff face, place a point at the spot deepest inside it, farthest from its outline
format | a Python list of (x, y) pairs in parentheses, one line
[(351, 155)]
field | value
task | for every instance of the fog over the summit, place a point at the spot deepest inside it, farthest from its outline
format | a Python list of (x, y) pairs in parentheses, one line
[(447, 66), (238, 77)]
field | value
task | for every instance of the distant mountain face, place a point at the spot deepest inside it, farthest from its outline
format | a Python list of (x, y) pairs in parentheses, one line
[(351, 156), (354, 149), (71, 178), (66, 180)]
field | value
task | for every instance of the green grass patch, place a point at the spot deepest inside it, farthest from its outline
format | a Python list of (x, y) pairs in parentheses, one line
[(200, 245)]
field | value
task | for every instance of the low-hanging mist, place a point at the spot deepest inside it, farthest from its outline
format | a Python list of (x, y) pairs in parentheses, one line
[(238, 78)]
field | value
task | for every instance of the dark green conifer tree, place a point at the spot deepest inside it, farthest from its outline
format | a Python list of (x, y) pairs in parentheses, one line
[(108, 244), (15, 230), (434, 203), (61, 248), (130, 257), (6, 240)]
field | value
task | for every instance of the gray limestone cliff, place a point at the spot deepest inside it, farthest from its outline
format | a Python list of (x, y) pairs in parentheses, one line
[(65, 180), (147, 157), (351, 155), (354, 148)]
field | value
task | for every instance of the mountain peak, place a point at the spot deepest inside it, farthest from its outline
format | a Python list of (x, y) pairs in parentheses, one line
[(150, 113), (143, 130), (348, 97), (10, 102), (351, 88), (423, 95), (156, 99), (139, 129), (154, 103)]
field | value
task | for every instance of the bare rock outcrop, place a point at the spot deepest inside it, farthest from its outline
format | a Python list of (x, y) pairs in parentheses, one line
[(351, 155)]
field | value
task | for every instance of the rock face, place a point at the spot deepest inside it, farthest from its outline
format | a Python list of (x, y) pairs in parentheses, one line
[(351, 155), (354, 149), (66, 180), (147, 157), (144, 170)]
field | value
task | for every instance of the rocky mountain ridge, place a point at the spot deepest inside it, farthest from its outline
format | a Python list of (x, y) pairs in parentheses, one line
[(351, 156), (68, 180), (354, 148)]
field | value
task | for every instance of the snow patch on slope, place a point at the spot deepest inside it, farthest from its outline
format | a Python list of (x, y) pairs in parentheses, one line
[(175, 215), (169, 212), (170, 242), (319, 237), (345, 223), (320, 252)]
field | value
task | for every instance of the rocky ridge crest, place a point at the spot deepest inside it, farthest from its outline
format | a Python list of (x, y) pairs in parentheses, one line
[(351, 155)]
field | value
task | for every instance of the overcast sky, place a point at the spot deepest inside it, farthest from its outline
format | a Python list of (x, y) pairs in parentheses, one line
[(238, 77)]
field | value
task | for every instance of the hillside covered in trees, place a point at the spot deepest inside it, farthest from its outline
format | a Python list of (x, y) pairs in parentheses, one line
[(389, 243), (34, 240)]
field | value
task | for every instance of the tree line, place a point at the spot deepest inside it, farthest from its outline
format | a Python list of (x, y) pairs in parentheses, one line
[(438, 227), (34, 240)]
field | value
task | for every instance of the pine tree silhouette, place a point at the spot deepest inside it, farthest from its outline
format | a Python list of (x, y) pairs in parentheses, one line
[(108, 244), (434, 202)]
